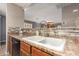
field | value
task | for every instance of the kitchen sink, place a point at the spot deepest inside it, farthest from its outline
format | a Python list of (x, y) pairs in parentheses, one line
[(52, 43)]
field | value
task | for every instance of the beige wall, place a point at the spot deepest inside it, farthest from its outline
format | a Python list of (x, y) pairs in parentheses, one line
[(15, 16), (69, 18)]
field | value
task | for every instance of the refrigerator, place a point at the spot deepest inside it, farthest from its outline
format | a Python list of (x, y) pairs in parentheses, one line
[(2, 29)]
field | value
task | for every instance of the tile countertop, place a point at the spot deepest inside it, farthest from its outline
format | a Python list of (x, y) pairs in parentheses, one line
[(71, 46)]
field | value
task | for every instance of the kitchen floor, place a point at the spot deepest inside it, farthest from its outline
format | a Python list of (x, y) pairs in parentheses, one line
[(3, 49)]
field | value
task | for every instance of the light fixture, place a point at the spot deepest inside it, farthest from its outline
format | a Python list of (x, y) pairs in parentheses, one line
[(75, 10), (47, 21)]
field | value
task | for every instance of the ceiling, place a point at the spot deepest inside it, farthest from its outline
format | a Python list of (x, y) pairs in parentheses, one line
[(47, 10), (25, 5)]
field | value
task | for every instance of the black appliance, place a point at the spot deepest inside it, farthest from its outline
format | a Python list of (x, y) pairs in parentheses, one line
[(15, 47)]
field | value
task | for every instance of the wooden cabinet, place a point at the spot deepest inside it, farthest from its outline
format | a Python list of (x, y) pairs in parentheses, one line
[(10, 45), (25, 49), (38, 52)]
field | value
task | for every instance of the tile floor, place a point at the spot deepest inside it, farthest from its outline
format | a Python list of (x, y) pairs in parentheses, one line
[(3, 49)]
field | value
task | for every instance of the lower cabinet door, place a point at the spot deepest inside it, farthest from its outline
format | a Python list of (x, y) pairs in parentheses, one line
[(26, 47), (23, 53), (38, 52)]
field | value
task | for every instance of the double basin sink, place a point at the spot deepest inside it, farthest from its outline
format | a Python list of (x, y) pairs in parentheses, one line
[(51, 43)]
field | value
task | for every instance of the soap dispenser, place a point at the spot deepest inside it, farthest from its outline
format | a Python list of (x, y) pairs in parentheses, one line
[(37, 32)]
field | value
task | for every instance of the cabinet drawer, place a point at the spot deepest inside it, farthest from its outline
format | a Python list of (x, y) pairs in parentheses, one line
[(25, 47), (38, 52), (24, 53)]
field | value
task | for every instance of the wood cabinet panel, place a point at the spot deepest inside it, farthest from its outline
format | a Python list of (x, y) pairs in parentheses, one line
[(25, 49), (23, 53), (38, 52)]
